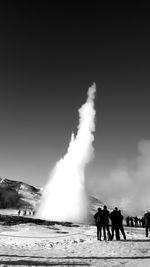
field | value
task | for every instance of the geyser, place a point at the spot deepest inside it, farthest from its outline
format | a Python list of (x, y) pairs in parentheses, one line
[(64, 197)]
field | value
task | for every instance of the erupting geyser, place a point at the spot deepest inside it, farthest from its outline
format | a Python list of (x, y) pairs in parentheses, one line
[(64, 197)]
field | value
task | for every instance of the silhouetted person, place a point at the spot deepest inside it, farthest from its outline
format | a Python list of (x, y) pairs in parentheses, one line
[(120, 222), (136, 221), (19, 211), (98, 221), (147, 222), (143, 222), (105, 216), (114, 216), (131, 220), (24, 212), (128, 221)]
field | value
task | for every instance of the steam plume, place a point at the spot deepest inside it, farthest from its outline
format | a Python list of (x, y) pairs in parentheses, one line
[(129, 186), (64, 198)]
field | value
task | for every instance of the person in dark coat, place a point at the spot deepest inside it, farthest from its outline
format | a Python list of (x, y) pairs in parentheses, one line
[(127, 221), (120, 222), (114, 216), (99, 223), (136, 221), (106, 216), (142, 221), (131, 220), (147, 222)]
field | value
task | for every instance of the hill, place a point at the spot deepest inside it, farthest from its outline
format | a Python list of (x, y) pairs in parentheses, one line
[(17, 194)]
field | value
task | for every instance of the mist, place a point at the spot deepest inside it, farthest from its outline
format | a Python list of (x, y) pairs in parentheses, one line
[(128, 185)]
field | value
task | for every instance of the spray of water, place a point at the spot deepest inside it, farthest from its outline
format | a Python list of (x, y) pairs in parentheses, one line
[(64, 197)]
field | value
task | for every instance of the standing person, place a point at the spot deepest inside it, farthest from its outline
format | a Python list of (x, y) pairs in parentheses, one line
[(147, 222), (19, 212), (127, 220), (142, 221), (114, 216), (98, 221), (136, 221), (106, 215), (120, 223), (131, 220), (24, 212)]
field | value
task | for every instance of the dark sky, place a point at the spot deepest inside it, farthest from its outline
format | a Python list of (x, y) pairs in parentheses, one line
[(49, 56)]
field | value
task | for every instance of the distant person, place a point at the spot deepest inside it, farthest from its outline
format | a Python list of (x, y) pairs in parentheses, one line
[(106, 216), (136, 221), (99, 223), (147, 222), (128, 221), (114, 216), (131, 220), (142, 222), (19, 211), (120, 222), (24, 212)]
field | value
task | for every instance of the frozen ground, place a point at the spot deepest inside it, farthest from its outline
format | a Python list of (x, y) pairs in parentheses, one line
[(57, 245)]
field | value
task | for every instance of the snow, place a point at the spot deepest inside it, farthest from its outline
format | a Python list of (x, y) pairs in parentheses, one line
[(58, 245)]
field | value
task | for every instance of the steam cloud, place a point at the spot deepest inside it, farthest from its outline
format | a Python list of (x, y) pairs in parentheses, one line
[(129, 187), (64, 197)]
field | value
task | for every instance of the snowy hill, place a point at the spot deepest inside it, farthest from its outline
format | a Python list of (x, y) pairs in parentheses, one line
[(28, 196), (16, 194)]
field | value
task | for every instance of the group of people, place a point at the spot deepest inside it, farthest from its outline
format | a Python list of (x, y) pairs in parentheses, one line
[(135, 221), (102, 220), (25, 212)]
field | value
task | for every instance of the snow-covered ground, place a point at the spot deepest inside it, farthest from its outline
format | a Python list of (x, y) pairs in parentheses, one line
[(76, 245)]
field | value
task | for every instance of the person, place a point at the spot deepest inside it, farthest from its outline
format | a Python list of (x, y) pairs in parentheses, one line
[(147, 222), (131, 220), (127, 221), (142, 221), (24, 212), (120, 223), (99, 224), (136, 221), (106, 216), (19, 211), (114, 216)]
